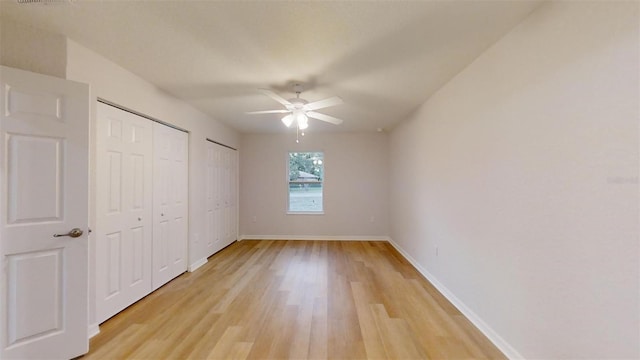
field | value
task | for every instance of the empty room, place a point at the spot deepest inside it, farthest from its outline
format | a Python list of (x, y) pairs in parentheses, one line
[(319, 179)]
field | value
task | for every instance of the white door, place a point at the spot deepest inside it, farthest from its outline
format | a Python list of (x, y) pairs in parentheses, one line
[(170, 196), (233, 196), (221, 196), (124, 209), (44, 182), (226, 195), (229, 195), (213, 198)]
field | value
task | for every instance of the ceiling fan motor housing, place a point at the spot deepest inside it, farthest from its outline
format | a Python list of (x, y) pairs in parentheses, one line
[(297, 103)]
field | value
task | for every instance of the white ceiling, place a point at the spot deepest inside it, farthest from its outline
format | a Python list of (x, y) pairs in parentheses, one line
[(383, 58)]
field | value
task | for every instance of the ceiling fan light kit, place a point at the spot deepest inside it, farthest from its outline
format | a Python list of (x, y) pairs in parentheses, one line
[(300, 110), (302, 121), (287, 120)]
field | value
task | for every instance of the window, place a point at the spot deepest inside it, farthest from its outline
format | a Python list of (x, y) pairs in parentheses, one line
[(306, 175)]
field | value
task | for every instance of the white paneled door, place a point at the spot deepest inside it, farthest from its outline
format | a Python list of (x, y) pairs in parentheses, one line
[(44, 222), (124, 151), (170, 209), (221, 216), (229, 196), (214, 201)]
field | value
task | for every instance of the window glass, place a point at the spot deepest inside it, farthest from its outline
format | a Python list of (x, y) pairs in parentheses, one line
[(306, 176)]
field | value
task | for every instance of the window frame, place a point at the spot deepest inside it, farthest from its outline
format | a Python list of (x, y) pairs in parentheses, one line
[(288, 194)]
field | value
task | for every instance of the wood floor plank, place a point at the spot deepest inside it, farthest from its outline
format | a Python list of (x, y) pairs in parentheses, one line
[(318, 344), (240, 351), (370, 333), (270, 299), (226, 343)]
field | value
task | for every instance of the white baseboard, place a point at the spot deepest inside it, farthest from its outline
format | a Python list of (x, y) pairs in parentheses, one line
[(193, 267), (508, 350), (314, 237), (94, 329)]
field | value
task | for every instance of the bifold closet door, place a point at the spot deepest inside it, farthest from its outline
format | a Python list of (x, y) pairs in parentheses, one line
[(229, 195), (124, 209), (170, 197), (221, 195), (213, 200)]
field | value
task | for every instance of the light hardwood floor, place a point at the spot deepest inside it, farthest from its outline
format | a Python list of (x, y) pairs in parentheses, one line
[(296, 300)]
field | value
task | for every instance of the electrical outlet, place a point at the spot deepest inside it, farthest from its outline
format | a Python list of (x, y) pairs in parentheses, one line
[(254, 219)]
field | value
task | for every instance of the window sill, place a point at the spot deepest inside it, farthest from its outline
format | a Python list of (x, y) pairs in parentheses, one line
[(305, 212)]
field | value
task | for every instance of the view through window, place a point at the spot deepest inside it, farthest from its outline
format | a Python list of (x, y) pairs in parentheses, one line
[(306, 174)]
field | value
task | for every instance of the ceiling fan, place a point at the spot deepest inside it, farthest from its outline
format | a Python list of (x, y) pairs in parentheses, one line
[(300, 110)]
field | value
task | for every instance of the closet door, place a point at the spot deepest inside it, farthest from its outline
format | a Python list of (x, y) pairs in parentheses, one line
[(170, 196), (213, 199), (233, 196), (124, 210), (224, 195), (228, 194), (221, 197)]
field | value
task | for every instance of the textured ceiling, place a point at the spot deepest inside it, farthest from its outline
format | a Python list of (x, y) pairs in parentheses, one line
[(383, 58)]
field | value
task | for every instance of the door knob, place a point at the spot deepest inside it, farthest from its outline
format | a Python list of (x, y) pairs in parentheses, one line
[(74, 233)]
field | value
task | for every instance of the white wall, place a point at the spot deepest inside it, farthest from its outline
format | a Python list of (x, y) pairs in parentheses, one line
[(355, 186), (523, 172), (28, 48), (113, 83)]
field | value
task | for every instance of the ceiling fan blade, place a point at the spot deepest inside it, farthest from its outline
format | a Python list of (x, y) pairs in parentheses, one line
[(323, 117), (332, 101), (275, 97), (267, 112)]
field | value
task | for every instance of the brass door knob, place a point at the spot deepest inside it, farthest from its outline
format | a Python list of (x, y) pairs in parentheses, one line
[(74, 233)]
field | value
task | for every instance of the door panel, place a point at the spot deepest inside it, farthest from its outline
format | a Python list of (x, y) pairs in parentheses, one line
[(44, 181), (170, 233), (26, 102), (138, 170), (179, 248), (113, 190), (124, 215), (160, 243), (138, 256), (39, 159), (113, 251), (35, 307)]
